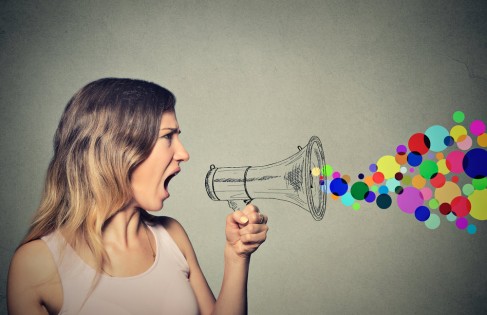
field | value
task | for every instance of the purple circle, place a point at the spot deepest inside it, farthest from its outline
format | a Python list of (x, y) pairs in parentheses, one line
[(370, 196), (410, 199), (477, 127), (401, 149), (461, 223), (373, 168)]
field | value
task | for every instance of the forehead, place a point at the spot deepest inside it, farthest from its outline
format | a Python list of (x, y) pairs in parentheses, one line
[(169, 120)]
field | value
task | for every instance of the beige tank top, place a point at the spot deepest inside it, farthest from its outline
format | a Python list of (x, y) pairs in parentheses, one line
[(162, 289)]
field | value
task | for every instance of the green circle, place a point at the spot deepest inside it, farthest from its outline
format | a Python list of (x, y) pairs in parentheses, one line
[(374, 188), (356, 206), (327, 170), (433, 204), (359, 190), (428, 169), (468, 189), (458, 116), (479, 184)]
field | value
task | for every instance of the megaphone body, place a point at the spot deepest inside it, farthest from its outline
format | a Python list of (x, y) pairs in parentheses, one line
[(287, 180)]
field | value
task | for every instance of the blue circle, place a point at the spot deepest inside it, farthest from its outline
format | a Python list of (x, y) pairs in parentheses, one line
[(475, 163), (449, 141), (422, 213), (383, 190), (414, 158), (338, 186)]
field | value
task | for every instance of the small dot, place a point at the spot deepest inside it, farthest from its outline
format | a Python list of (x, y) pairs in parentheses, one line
[(458, 116), (316, 171), (361, 176)]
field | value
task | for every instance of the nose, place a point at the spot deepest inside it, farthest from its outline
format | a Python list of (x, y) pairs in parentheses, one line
[(181, 154)]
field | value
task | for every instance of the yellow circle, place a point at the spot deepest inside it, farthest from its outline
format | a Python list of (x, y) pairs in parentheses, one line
[(457, 132), (442, 168), (478, 200), (388, 166), (316, 171)]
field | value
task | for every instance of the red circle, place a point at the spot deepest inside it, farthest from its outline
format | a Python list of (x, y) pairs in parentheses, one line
[(461, 206), (454, 179), (378, 177), (419, 142), (445, 208), (438, 180)]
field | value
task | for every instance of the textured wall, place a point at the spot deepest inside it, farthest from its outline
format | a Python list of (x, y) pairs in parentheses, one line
[(254, 79)]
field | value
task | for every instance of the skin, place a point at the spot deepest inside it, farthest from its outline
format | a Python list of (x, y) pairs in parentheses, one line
[(34, 286)]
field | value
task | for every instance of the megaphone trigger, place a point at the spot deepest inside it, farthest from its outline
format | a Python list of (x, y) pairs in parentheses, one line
[(238, 204)]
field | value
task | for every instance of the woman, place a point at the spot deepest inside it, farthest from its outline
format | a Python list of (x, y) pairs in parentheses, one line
[(92, 247)]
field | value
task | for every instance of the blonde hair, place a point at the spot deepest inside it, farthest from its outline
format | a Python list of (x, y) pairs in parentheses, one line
[(108, 128)]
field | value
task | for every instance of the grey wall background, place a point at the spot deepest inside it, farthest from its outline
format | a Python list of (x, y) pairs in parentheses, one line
[(254, 79)]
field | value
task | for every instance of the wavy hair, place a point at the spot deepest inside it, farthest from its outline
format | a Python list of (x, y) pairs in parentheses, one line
[(107, 129)]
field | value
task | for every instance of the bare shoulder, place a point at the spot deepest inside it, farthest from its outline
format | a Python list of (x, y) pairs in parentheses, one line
[(33, 261), (32, 279)]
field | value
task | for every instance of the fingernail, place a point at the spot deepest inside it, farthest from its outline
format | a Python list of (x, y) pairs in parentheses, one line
[(244, 220)]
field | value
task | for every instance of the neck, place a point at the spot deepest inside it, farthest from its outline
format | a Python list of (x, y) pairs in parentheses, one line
[(123, 227)]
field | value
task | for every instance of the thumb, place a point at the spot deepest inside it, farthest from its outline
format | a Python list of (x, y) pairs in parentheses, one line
[(240, 218)]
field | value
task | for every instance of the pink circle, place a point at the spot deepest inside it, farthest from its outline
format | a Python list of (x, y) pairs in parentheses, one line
[(477, 127), (426, 193), (454, 161), (410, 199), (336, 175), (461, 223), (465, 144)]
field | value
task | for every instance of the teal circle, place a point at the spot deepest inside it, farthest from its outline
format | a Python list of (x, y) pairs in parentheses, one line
[(433, 222), (437, 135), (347, 199), (392, 183), (468, 189), (471, 229), (451, 217)]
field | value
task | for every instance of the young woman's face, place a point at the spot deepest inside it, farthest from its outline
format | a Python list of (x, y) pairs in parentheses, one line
[(150, 179)]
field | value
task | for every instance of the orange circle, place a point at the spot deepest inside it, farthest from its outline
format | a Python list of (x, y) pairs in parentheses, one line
[(334, 197), (482, 140), (346, 178), (369, 181), (418, 181), (440, 156), (401, 159)]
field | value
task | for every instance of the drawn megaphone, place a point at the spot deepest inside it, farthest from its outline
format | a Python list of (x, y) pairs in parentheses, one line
[(289, 180)]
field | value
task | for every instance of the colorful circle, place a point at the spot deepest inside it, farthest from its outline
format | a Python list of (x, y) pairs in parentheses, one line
[(475, 163), (419, 143), (409, 200)]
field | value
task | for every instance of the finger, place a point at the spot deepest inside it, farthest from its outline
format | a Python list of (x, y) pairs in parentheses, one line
[(258, 238), (253, 229), (250, 208), (257, 218), (240, 218)]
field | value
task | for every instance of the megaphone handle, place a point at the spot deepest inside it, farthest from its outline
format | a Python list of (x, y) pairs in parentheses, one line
[(238, 204)]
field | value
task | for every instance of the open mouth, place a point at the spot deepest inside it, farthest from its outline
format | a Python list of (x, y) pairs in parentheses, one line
[(166, 181)]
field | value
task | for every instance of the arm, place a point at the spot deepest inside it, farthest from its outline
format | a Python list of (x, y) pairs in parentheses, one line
[(244, 235), (33, 285)]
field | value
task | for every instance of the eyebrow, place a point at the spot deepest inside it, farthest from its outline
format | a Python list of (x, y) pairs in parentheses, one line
[(172, 129)]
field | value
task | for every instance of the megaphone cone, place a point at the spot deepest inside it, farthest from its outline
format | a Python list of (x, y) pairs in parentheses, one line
[(288, 180)]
